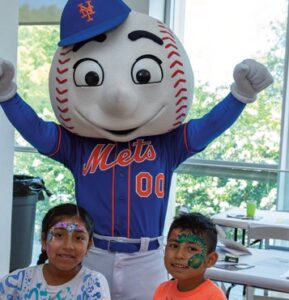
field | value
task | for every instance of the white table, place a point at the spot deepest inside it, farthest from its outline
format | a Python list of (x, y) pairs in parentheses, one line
[(267, 217), (269, 267)]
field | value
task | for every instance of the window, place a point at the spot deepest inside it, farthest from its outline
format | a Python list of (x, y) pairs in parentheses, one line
[(40, 11), (244, 162)]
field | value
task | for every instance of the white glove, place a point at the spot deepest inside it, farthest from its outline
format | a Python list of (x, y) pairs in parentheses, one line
[(8, 87), (250, 77)]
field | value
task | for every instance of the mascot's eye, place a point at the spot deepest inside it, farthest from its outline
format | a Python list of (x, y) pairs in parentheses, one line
[(147, 69), (92, 78), (87, 73), (143, 76)]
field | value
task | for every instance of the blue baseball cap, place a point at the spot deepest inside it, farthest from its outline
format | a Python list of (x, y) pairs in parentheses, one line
[(84, 19)]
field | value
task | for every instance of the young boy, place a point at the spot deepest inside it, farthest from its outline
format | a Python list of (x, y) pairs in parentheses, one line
[(190, 250)]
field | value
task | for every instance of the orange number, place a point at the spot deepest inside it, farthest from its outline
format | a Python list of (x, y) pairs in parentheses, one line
[(144, 185), (160, 185)]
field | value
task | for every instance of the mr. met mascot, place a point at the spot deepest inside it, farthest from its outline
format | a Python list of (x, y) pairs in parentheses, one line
[(121, 86)]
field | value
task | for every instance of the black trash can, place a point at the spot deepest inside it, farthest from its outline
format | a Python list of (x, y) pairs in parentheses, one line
[(27, 190)]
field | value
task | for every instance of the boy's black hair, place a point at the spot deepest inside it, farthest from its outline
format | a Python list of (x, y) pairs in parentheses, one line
[(55, 214), (199, 225)]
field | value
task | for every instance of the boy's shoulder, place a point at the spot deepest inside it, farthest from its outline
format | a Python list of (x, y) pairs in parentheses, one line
[(207, 290), (165, 288), (210, 290)]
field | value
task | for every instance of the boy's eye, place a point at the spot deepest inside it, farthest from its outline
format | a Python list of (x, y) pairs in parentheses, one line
[(173, 245), (193, 249)]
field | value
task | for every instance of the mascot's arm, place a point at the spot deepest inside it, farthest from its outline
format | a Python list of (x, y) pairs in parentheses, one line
[(42, 135), (250, 77), (200, 132)]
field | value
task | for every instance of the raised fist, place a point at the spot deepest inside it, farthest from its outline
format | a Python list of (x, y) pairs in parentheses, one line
[(8, 87), (250, 77)]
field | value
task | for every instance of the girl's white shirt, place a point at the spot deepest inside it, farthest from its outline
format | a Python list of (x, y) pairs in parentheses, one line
[(29, 283)]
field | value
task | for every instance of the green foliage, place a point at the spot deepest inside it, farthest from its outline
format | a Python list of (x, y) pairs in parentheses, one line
[(255, 138), (37, 45), (210, 195)]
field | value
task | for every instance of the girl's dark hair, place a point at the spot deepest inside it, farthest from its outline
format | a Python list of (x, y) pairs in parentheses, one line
[(199, 225), (55, 214)]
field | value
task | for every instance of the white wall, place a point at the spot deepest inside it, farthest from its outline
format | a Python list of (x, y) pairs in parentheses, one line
[(8, 50)]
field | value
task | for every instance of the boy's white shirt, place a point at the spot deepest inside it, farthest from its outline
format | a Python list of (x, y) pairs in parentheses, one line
[(29, 283)]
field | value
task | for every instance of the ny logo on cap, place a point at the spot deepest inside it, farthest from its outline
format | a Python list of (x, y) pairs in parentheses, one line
[(86, 10)]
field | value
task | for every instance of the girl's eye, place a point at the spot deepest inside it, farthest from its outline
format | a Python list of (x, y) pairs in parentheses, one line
[(80, 238), (58, 235)]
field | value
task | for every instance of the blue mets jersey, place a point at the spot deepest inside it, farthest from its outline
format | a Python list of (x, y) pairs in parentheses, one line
[(123, 185)]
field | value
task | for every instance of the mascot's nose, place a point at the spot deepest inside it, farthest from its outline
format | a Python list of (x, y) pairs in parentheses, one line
[(119, 101)]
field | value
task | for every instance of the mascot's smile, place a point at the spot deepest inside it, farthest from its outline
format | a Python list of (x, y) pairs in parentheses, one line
[(124, 132)]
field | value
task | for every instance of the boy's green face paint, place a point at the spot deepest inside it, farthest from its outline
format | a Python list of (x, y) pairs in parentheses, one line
[(197, 259)]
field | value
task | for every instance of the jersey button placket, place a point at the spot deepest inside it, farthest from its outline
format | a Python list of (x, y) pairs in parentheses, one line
[(121, 185)]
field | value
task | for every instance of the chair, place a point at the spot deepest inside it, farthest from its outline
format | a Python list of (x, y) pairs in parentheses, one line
[(268, 237)]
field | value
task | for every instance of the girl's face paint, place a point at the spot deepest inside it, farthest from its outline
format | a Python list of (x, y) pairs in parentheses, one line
[(69, 227), (185, 255)]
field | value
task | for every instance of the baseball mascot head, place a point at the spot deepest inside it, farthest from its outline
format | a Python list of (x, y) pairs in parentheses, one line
[(118, 74)]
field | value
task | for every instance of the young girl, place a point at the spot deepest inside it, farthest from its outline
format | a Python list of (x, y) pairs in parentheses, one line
[(66, 237)]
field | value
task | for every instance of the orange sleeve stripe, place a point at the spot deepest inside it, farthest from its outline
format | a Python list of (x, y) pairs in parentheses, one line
[(58, 143), (185, 137)]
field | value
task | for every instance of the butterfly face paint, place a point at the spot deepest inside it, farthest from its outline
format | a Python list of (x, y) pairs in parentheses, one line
[(199, 258), (69, 228)]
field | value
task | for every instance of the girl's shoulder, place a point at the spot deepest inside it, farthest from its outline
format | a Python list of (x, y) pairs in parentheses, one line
[(89, 274), (19, 274), (93, 284), (17, 282)]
